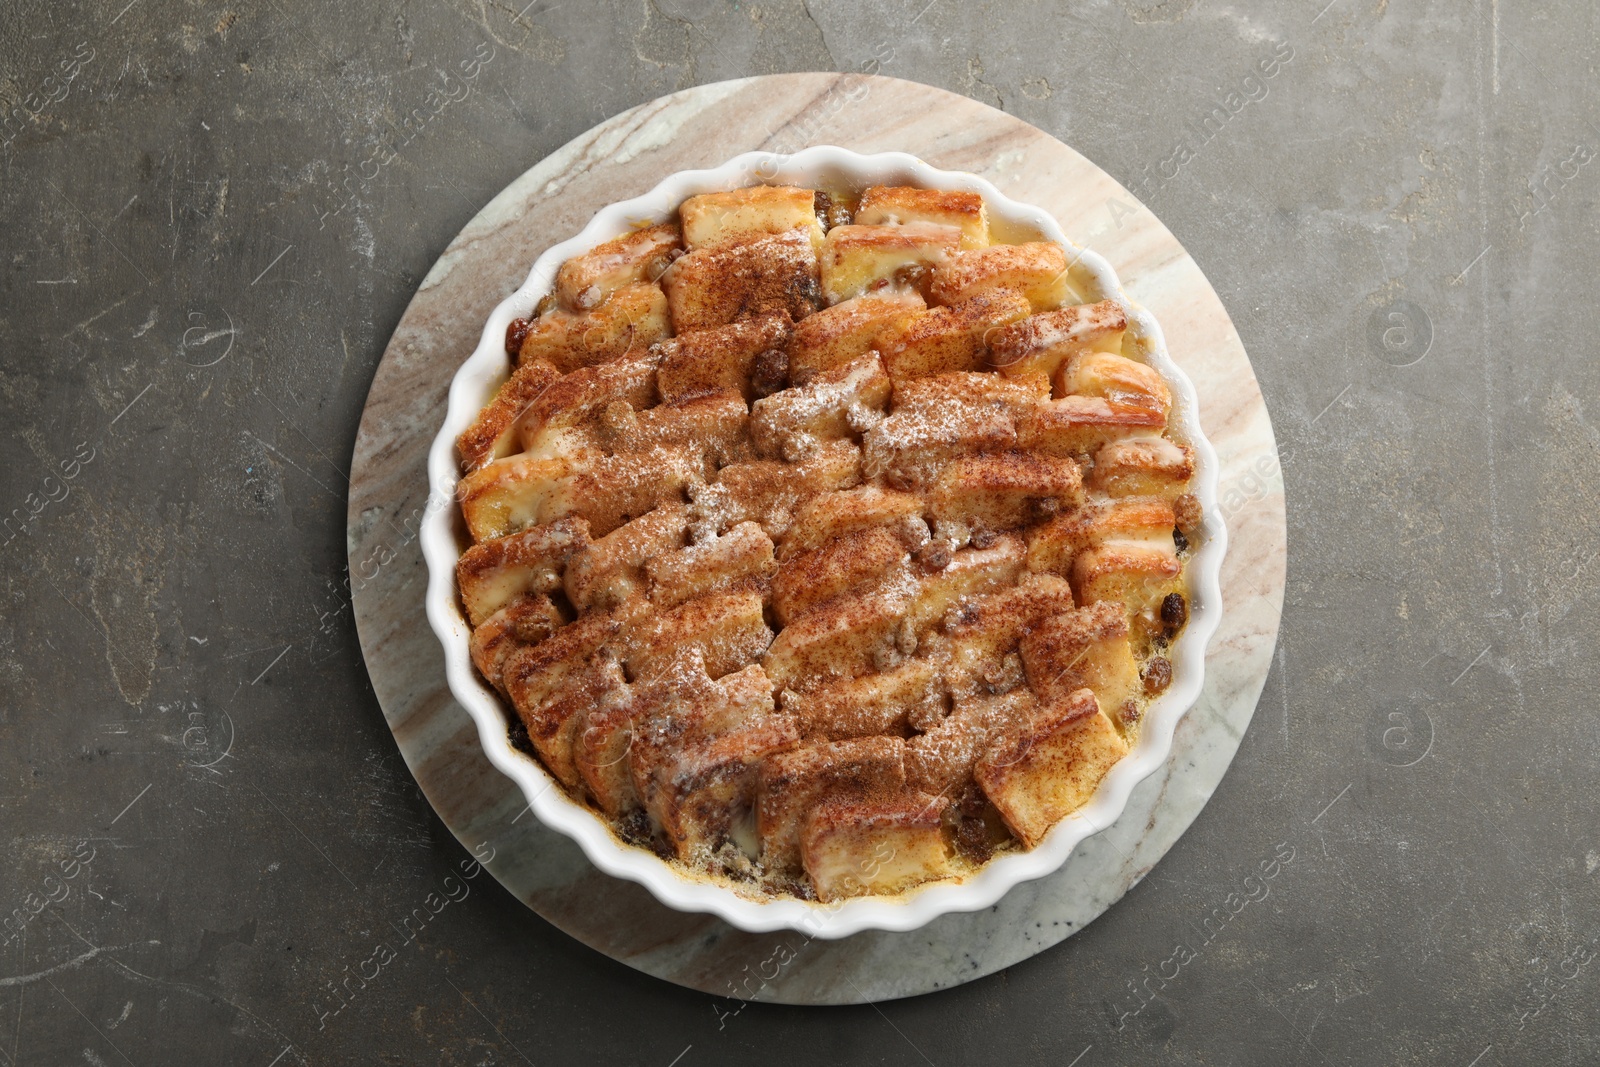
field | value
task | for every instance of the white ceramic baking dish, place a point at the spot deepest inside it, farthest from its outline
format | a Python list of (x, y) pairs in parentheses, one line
[(443, 538)]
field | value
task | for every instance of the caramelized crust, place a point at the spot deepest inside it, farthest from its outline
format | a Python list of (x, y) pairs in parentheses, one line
[(714, 286), (492, 434), (1037, 270), (1039, 344), (586, 280), (953, 338), (826, 600), (847, 331), (630, 320), (884, 205), (720, 359)]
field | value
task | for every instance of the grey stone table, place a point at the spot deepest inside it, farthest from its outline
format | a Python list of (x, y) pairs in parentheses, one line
[(212, 217)]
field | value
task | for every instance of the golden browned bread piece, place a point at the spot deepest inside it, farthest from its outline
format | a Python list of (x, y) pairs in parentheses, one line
[(493, 434), (792, 782), (847, 331), (886, 205), (950, 338), (743, 214), (1051, 767), (492, 573), (630, 320), (826, 548), (853, 846), (585, 281), (765, 276), (719, 359), (862, 259), (1037, 270), (1041, 343)]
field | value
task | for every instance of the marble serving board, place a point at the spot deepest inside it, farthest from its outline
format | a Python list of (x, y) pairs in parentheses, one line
[(625, 156)]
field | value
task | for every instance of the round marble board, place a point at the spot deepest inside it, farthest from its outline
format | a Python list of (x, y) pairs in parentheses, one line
[(625, 156)]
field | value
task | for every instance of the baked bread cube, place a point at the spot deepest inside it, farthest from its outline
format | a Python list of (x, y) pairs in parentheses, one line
[(885, 205), (966, 391), (1042, 343), (576, 400), (850, 847), (714, 286), (712, 219), (695, 765), (630, 320), (1037, 270), (1080, 425), (1137, 575), (493, 434), (737, 560), (769, 491), (1142, 466), (861, 259), (1083, 649), (608, 571), (1053, 546), (1116, 378), (585, 281), (1003, 490), (842, 638), (512, 494), (729, 630), (847, 331), (909, 448), (713, 429), (971, 571), (526, 620), (882, 703), (718, 359), (652, 713), (981, 631), (703, 787), (492, 574), (548, 682), (845, 511), (1043, 773), (791, 783), (836, 403), (851, 562), (953, 338), (941, 761)]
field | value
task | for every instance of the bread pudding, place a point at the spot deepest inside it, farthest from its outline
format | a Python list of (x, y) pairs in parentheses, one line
[(826, 542)]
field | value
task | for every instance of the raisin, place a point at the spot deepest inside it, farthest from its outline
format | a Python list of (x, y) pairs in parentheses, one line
[(972, 838), (912, 275), (516, 333), (771, 372), (1174, 612), (1046, 507), (933, 556), (1180, 542), (1157, 675), (984, 538), (823, 205)]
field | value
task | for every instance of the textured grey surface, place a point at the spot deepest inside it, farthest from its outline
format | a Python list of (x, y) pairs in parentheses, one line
[(212, 218)]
